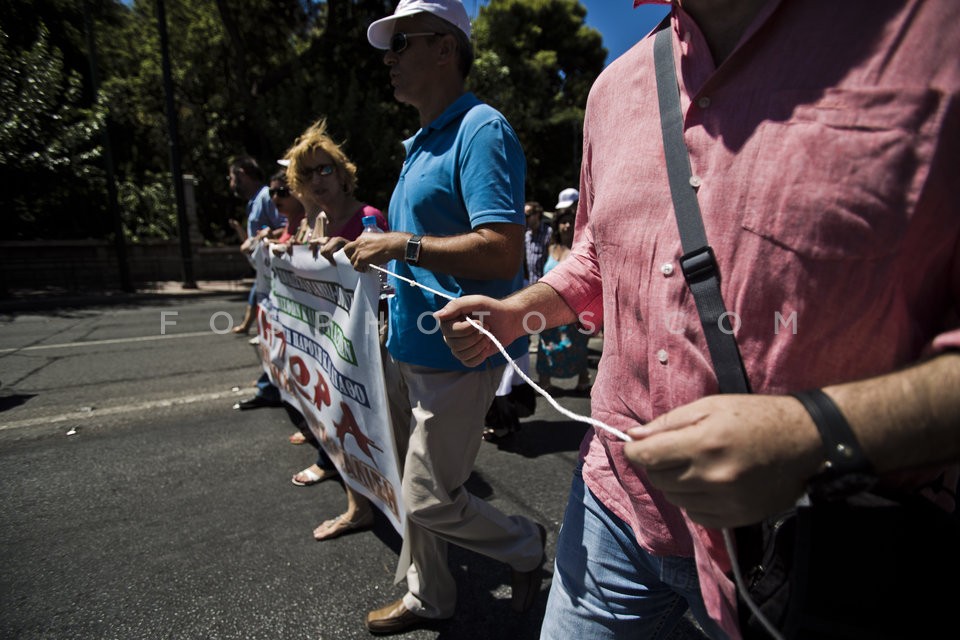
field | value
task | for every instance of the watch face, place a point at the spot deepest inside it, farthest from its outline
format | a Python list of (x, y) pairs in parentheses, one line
[(413, 250)]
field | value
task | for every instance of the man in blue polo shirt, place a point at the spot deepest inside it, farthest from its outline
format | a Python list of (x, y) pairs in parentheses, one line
[(458, 227), (247, 181)]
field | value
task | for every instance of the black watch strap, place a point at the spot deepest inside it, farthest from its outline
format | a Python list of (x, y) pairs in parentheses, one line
[(847, 470)]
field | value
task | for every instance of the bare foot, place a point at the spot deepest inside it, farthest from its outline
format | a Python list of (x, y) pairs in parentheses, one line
[(342, 524)]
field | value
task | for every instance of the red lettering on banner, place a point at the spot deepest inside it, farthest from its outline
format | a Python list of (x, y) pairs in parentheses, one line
[(263, 322), (281, 337), (283, 380), (301, 373), (348, 425), (321, 392)]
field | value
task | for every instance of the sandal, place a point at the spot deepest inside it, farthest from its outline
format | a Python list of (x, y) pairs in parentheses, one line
[(308, 476), (338, 526)]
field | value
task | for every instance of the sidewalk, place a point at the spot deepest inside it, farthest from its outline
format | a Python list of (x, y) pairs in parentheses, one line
[(52, 297)]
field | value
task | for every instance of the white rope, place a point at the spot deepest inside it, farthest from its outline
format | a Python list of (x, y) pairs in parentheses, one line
[(727, 537), (542, 392)]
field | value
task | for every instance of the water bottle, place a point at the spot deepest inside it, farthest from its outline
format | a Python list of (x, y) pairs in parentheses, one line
[(370, 226)]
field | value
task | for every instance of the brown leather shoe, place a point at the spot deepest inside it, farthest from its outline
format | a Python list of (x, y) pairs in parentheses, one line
[(526, 584), (393, 618)]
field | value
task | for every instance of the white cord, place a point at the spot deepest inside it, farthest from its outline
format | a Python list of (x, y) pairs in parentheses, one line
[(573, 416)]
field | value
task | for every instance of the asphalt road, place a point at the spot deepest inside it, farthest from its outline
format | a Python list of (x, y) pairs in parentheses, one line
[(136, 503)]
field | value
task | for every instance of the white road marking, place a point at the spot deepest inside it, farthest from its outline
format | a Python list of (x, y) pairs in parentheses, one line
[(89, 343), (87, 414)]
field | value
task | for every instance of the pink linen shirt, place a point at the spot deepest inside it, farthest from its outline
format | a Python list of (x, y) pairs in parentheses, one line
[(828, 149)]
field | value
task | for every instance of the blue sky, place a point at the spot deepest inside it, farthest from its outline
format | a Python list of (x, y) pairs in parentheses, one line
[(617, 21)]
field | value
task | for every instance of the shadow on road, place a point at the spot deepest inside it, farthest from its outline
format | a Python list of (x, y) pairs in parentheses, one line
[(542, 437), (11, 400)]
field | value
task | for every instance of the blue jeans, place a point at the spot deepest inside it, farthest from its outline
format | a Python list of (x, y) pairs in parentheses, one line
[(606, 586)]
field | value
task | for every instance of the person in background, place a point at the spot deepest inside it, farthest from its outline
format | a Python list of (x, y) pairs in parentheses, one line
[(456, 216), (267, 394), (515, 398), (562, 351), (568, 199), (535, 240), (829, 200), (246, 180), (299, 226), (323, 177)]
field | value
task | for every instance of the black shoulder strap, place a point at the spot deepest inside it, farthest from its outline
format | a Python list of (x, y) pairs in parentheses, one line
[(698, 262)]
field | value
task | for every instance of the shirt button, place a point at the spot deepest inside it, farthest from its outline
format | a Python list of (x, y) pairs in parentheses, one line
[(662, 356), (666, 269), (703, 102), (695, 181)]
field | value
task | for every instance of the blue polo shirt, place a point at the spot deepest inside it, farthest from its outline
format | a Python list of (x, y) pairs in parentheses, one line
[(463, 170)]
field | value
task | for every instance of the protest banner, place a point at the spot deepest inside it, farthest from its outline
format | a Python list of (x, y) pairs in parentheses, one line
[(319, 344)]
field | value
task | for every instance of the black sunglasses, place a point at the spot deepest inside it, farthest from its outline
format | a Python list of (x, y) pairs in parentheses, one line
[(283, 192), (320, 169), (399, 40)]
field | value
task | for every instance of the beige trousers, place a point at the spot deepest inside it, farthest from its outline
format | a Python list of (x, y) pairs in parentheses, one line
[(438, 424)]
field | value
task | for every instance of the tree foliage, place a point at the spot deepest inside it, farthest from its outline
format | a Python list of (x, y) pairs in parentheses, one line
[(48, 138), (536, 62), (248, 76)]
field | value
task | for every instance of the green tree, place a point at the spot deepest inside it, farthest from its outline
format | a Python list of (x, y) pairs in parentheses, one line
[(536, 61), (249, 76), (49, 150), (218, 52)]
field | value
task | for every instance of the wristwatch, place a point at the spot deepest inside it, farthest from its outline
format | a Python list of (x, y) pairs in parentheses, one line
[(412, 255)]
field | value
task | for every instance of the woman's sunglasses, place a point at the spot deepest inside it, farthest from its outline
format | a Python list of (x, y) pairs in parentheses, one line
[(399, 40), (320, 169), (281, 192)]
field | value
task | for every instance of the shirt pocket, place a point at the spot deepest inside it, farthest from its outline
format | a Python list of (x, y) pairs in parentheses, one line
[(839, 172)]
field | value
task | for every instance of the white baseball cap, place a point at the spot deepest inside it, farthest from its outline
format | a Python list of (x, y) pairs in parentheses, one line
[(380, 32), (567, 197)]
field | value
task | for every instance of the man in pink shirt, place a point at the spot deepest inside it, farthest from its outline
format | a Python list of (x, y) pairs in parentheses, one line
[(825, 140)]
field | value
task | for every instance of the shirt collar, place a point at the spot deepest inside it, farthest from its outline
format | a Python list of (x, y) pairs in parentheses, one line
[(460, 106), (456, 109)]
